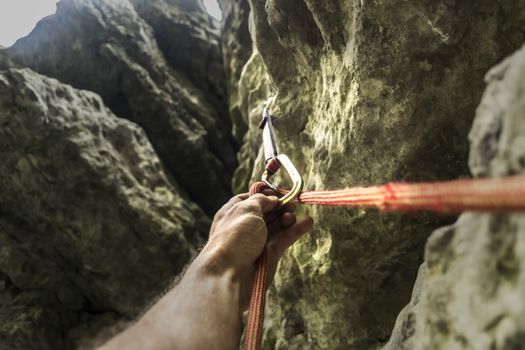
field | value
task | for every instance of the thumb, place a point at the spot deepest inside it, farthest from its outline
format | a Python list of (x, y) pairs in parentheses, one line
[(267, 203)]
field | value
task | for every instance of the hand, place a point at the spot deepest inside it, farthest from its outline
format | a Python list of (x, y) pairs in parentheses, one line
[(216, 286), (243, 226)]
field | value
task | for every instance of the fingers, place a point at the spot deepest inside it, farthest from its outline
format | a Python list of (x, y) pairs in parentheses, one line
[(269, 192), (234, 200), (280, 223), (287, 220), (274, 215), (286, 238), (260, 204)]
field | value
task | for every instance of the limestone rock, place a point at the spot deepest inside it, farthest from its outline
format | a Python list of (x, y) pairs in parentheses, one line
[(236, 48), (107, 48), (91, 229), (255, 90), (368, 92), (471, 287), (189, 39), (248, 87)]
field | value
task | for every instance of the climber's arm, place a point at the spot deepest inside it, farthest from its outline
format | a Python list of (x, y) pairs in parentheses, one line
[(204, 310)]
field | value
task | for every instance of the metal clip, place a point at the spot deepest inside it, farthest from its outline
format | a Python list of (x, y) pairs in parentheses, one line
[(273, 160)]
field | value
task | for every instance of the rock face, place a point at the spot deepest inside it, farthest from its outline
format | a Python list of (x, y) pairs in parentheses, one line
[(189, 39), (471, 287), (91, 229), (162, 76), (367, 92), (95, 221), (236, 49)]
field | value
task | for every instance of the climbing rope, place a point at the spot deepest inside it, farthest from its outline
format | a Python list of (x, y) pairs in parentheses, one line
[(254, 329), (485, 195), (493, 195)]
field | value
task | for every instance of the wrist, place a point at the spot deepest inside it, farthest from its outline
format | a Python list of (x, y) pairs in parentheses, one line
[(213, 262)]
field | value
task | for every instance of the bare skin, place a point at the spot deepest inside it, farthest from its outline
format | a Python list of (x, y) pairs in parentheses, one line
[(204, 310)]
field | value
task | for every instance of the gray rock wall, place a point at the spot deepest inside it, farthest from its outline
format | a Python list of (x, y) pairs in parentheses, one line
[(91, 230), (368, 92), (106, 193), (108, 48), (103, 194), (236, 45)]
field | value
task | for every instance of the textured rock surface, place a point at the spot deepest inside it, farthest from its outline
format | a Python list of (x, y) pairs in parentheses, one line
[(189, 39), (106, 47), (368, 92), (236, 49), (470, 291), (90, 227)]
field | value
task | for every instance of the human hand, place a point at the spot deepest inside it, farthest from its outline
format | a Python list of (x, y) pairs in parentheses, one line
[(243, 226), (216, 287)]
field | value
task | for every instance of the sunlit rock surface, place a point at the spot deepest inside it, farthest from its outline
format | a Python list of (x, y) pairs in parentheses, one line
[(367, 92), (91, 230), (470, 291)]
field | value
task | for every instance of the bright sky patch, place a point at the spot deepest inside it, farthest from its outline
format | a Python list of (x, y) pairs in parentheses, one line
[(19, 17), (213, 8)]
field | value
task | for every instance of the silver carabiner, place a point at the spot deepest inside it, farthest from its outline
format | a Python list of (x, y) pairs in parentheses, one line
[(273, 160)]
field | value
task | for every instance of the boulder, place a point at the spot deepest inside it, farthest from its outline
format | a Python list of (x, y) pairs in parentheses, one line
[(91, 228), (108, 48)]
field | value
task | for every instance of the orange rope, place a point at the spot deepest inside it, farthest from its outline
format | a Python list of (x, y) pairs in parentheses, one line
[(489, 195), (254, 327), (494, 195)]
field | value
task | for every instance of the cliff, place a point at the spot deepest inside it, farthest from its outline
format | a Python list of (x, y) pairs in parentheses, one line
[(367, 93), (125, 124)]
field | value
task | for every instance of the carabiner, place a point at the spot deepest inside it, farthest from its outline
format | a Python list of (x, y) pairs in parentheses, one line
[(273, 160)]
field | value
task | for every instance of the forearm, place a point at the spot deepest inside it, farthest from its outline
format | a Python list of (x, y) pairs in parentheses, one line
[(202, 312)]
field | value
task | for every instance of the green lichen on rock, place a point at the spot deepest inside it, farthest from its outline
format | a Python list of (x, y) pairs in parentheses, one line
[(255, 90)]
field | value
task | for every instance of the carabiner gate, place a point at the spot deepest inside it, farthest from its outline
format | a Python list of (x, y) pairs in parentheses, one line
[(273, 160)]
